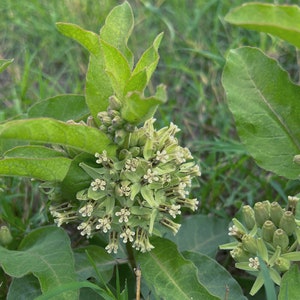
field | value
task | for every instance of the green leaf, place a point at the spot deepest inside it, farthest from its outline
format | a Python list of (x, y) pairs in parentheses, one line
[(32, 152), (136, 82), (98, 87), (290, 284), (266, 108), (169, 274), (87, 39), (117, 29), (46, 130), (76, 179), (149, 59), (45, 252), (214, 277), (136, 108), (280, 20), (102, 260), (4, 63), (201, 233), (26, 287), (36, 162), (117, 68), (62, 107), (48, 169)]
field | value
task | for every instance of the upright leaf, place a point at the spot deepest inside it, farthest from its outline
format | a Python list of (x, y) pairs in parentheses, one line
[(117, 29), (169, 274), (98, 87), (280, 20), (87, 39), (117, 68), (46, 130), (266, 108), (45, 252), (149, 59)]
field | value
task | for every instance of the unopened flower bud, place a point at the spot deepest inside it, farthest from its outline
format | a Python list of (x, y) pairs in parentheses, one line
[(297, 159), (239, 254), (268, 230), (280, 239), (114, 103), (249, 243), (261, 213), (249, 217), (5, 235), (293, 201), (276, 213), (282, 264), (104, 118), (287, 222)]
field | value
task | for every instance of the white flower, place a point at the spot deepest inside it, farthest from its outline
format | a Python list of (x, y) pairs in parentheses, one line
[(86, 210), (124, 213), (233, 231), (98, 184), (102, 158), (86, 229), (104, 224), (174, 210), (151, 176), (162, 156), (254, 263), (127, 234)]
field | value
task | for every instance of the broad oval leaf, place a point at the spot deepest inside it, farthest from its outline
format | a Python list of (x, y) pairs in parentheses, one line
[(214, 277), (280, 20), (290, 284), (104, 263), (169, 274), (201, 233), (26, 287), (46, 130), (266, 108), (62, 107), (47, 169), (32, 151), (45, 252)]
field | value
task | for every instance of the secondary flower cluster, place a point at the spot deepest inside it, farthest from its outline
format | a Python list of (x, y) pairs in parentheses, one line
[(268, 235), (131, 195)]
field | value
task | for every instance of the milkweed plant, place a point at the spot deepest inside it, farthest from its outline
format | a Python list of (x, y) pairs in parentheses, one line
[(122, 186)]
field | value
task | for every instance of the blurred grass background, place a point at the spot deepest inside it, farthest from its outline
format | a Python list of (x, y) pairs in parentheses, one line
[(193, 51)]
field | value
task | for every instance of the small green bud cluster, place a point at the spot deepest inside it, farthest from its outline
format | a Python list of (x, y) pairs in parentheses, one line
[(112, 122), (268, 233), (138, 192), (5, 235)]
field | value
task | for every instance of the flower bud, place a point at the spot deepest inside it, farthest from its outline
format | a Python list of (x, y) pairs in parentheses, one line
[(268, 230), (276, 213), (5, 236), (249, 243), (280, 239), (261, 213), (287, 222), (114, 103), (249, 217), (239, 254), (293, 201), (297, 159), (282, 264)]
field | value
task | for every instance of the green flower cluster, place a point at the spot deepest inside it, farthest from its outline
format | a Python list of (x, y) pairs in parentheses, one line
[(132, 194), (268, 235)]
